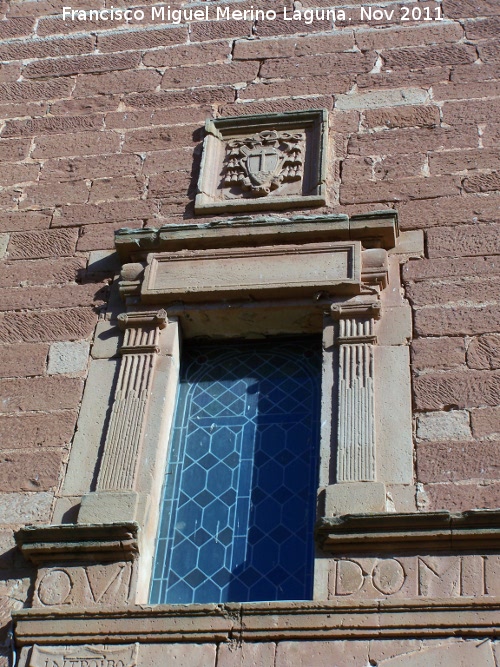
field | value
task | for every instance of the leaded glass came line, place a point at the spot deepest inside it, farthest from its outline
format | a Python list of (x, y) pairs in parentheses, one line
[(239, 499)]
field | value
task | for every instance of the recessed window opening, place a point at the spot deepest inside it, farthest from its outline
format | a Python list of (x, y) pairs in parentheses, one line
[(238, 508)]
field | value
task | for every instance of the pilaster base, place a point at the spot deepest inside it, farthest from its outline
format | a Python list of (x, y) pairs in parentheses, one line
[(355, 498)]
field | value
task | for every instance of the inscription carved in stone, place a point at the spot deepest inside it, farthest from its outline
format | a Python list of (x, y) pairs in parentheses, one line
[(103, 584), (426, 576), (262, 162), (83, 656)]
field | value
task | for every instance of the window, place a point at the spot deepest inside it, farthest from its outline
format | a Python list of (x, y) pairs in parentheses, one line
[(240, 492)]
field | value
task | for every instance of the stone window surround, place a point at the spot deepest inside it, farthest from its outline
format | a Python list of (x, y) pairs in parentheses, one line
[(365, 322)]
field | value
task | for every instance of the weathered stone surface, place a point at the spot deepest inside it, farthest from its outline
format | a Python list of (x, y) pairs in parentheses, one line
[(382, 98), (25, 508), (246, 655), (181, 655), (53, 429), (41, 272), (22, 360), (457, 389), (461, 654), (462, 496), (28, 298), (454, 425), (345, 653), (485, 421), (44, 393), (26, 470), (34, 245), (457, 320), (68, 324), (68, 357), (455, 461), (484, 352), (445, 353)]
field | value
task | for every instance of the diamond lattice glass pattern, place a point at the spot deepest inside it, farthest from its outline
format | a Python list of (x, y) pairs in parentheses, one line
[(239, 501)]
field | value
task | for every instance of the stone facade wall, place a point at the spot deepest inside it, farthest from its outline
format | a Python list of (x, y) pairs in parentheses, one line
[(102, 128)]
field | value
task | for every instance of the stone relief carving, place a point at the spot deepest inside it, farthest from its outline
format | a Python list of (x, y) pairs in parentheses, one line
[(265, 162), (416, 576), (83, 656), (262, 162), (90, 585)]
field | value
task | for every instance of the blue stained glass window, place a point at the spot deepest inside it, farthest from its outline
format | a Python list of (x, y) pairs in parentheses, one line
[(240, 490)]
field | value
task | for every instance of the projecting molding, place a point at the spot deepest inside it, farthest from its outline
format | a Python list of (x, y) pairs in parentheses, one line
[(264, 162)]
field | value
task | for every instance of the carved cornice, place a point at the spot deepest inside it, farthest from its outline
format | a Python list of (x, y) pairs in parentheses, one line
[(265, 621), (395, 533), (378, 229), (76, 542)]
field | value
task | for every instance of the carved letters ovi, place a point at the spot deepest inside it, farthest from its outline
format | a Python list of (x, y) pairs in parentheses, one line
[(264, 161)]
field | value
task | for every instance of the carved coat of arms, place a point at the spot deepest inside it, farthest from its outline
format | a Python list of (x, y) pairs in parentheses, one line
[(262, 162)]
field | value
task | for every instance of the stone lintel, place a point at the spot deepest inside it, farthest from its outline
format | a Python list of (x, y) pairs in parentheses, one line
[(265, 621), (377, 229), (425, 531), (77, 542)]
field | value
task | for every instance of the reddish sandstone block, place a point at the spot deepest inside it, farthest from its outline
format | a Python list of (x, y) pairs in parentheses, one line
[(489, 52), (45, 48), (457, 320), (468, 290), (142, 39), (476, 111), (42, 195), (192, 54), (445, 211), (129, 81), (202, 31), (89, 214), (29, 298), (258, 49), (429, 56), (462, 497), (278, 106), (78, 143), (450, 162), (464, 389), (159, 138), (414, 35), (172, 184), (9, 72), (460, 9), (491, 134), (209, 75), (485, 421), (464, 240), (28, 471), (482, 182), (482, 28), (443, 268), (410, 116), (312, 85), (339, 63), (102, 236), (23, 360), (85, 105), (399, 166), (463, 90), (398, 190), (28, 128), (135, 119), (52, 429), (41, 393), (405, 140), (400, 78), (23, 220), (41, 271), (453, 461), (14, 149), (99, 166), (80, 64), (31, 90), (120, 187), (16, 27), (181, 159), (10, 174), (444, 353), (484, 352), (51, 325), (38, 244), (200, 96)]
